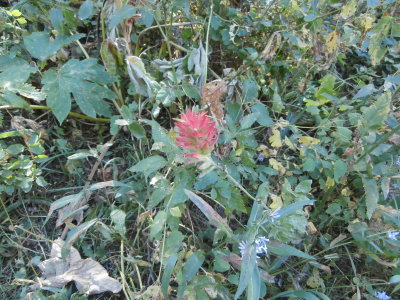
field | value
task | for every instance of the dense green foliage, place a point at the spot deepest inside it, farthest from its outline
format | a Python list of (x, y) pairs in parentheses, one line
[(297, 199)]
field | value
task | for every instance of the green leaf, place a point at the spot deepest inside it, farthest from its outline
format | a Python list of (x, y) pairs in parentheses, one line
[(40, 45), (169, 267), (166, 95), (286, 250), (84, 80), (192, 265), (57, 18), (214, 218), (250, 91), (9, 98), (191, 91), (248, 120), (60, 203), (349, 9), (379, 33), (158, 224), (124, 12), (118, 218), (291, 208), (374, 116), (263, 117), (149, 165), (246, 268), (365, 91), (339, 170), (29, 91), (14, 72), (74, 234), (86, 10), (303, 187), (137, 130), (371, 195)]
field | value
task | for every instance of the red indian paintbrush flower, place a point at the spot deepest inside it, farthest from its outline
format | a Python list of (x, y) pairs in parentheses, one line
[(196, 132)]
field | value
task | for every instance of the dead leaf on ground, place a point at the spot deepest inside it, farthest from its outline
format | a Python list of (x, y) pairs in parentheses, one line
[(89, 276)]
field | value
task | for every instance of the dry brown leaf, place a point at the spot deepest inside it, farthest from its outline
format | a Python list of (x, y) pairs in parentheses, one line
[(212, 94), (272, 46), (89, 276)]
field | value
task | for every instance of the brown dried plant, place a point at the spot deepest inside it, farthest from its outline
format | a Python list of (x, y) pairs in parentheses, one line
[(212, 94)]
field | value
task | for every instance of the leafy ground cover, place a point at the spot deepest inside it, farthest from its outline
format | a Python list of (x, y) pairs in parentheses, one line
[(199, 149)]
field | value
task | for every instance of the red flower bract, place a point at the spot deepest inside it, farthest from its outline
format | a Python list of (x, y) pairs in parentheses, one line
[(196, 132)]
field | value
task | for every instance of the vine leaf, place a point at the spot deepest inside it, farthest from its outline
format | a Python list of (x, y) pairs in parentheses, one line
[(41, 45), (84, 80)]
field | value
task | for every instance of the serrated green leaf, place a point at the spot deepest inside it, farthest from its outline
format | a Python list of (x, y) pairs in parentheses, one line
[(84, 80), (374, 116), (40, 45), (379, 33), (263, 117)]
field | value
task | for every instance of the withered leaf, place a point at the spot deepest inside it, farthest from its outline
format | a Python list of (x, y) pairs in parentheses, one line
[(89, 276)]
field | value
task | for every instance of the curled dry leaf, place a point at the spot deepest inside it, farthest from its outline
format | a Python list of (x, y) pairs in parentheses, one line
[(89, 276), (272, 46), (212, 93)]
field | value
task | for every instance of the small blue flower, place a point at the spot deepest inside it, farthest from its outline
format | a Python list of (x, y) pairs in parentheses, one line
[(260, 157), (393, 235), (261, 245), (398, 163), (382, 296)]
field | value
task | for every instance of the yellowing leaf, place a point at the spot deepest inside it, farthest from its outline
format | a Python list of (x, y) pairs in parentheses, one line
[(307, 140), (367, 22), (289, 143), (275, 138), (277, 166), (14, 13), (276, 202), (349, 9), (330, 182), (332, 42)]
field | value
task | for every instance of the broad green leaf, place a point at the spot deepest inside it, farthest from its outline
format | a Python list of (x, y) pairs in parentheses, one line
[(374, 116), (248, 120), (124, 12), (193, 265), (339, 170), (118, 218), (57, 18), (191, 91), (365, 91), (83, 79), (14, 72), (253, 289), (169, 267), (166, 95), (86, 10), (40, 45), (250, 91), (263, 117), (286, 250), (137, 130), (371, 195), (9, 98), (158, 223), (379, 33), (149, 165)]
